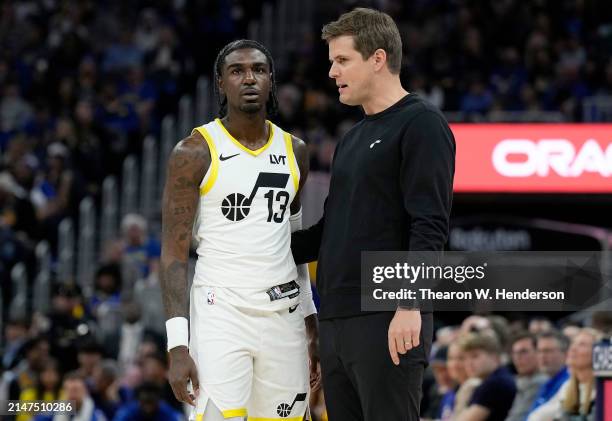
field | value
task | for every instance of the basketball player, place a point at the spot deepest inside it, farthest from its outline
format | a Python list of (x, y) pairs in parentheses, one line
[(250, 320), (394, 171)]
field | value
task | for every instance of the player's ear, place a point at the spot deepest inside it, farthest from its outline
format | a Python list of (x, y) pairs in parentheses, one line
[(220, 85), (379, 58)]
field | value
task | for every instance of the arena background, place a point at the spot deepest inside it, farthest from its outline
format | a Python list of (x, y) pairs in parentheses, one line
[(94, 94)]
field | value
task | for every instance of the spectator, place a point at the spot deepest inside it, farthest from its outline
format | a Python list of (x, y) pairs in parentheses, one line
[(155, 370), (132, 334), (105, 305), (539, 325), (576, 396), (579, 397), (147, 292), (478, 99), (55, 194), (89, 356), (570, 330), (493, 398), (528, 379), (135, 250), (456, 400), (141, 93), (90, 147), (26, 374), (16, 210), (501, 328), (105, 388), (107, 287), (442, 385), (14, 110), (148, 407), (75, 389), (552, 353), (123, 53), (474, 324), (67, 324), (15, 336), (15, 215), (47, 389)]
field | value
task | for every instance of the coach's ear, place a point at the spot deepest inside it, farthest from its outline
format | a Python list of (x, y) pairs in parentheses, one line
[(379, 59)]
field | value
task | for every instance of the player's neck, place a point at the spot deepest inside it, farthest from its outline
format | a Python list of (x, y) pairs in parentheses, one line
[(250, 129), (386, 91)]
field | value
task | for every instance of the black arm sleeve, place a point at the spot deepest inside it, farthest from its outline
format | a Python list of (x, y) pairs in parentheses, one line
[(426, 180), (305, 243)]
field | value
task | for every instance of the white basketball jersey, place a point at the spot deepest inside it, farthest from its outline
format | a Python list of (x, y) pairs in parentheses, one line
[(243, 222)]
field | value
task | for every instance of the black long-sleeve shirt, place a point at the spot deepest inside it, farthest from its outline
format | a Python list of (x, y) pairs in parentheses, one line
[(391, 189)]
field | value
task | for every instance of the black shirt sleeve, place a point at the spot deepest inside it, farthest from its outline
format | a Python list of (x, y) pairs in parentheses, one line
[(305, 243), (426, 180)]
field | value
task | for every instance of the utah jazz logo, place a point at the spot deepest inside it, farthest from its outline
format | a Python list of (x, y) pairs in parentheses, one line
[(237, 206), (284, 409)]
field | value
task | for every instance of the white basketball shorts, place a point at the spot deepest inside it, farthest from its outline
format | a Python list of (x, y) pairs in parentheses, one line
[(250, 362)]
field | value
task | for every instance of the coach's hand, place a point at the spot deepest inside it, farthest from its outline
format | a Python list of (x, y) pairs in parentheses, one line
[(183, 369), (404, 331)]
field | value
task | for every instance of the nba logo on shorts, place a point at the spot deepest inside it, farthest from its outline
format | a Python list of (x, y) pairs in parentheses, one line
[(210, 297)]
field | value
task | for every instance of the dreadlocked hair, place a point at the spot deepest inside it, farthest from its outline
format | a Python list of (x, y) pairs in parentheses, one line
[(272, 103)]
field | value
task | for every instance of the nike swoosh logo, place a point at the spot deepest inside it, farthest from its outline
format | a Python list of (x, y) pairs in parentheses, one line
[(374, 143), (225, 158), (292, 309)]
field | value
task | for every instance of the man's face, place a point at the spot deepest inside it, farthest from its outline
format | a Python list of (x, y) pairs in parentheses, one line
[(153, 370), (550, 356), (38, 355), (480, 363), (75, 390), (14, 332), (246, 80), (101, 382), (106, 283), (440, 372), (135, 236), (88, 361), (524, 357), (539, 326), (353, 74), (456, 363), (50, 377)]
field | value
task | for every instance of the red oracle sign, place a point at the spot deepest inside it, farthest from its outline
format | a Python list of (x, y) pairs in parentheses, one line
[(530, 158)]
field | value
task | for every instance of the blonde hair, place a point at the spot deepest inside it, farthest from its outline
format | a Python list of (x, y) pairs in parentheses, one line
[(480, 341), (571, 401)]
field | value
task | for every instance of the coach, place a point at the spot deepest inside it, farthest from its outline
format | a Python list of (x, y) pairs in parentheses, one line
[(391, 189)]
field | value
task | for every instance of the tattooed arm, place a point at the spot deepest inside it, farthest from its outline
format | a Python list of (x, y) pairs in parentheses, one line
[(187, 166)]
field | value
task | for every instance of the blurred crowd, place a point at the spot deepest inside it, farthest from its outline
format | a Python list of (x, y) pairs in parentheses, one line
[(106, 351), (108, 354), (83, 82), (507, 60), (519, 370)]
